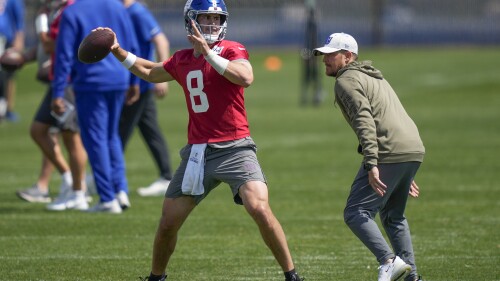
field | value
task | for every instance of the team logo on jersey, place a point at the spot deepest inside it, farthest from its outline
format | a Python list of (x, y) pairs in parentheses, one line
[(218, 49)]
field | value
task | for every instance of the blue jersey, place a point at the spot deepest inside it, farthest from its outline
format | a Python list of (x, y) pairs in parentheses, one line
[(146, 28), (11, 18), (77, 22)]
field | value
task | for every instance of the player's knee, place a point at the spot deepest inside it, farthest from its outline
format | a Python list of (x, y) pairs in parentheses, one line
[(37, 132), (256, 209), (354, 217), (260, 212), (391, 218), (167, 226), (348, 217)]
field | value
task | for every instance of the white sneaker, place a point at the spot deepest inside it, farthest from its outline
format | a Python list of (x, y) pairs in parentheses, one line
[(393, 271), (34, 195), (64, 194), (123, 200), (88, 198), (73, 200), (157, 188), (112, 207), (64, 191)]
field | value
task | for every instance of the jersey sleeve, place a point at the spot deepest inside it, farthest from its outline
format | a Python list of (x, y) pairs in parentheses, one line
[(169, 66), (63, 57), (235, 51), (19, 15)]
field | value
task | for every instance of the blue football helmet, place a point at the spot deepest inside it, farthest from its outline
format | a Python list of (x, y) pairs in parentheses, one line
[(193, 8)]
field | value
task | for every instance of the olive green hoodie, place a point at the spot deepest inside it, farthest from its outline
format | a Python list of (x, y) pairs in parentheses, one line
[(385, 132)]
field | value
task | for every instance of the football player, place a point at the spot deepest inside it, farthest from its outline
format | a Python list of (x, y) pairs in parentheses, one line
[(213, 75)]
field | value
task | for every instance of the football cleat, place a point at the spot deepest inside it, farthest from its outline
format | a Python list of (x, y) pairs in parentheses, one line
[(150, 278)]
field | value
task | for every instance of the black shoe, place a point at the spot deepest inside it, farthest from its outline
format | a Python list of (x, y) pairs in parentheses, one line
[(149, 278), (295, 277)]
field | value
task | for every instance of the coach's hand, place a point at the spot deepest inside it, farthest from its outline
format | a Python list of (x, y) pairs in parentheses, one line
[(373, 178), (414, 190)]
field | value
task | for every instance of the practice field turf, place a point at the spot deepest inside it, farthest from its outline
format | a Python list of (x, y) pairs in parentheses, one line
[(309, 157)]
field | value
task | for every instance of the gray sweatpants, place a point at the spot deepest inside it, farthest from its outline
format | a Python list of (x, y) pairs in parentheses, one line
[(363, 204)]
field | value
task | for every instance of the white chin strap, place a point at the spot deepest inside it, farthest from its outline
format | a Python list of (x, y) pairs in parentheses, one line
[(210, 37)]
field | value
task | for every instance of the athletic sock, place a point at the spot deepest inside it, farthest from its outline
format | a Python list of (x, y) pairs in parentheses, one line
[(79, 193), (67, 178)]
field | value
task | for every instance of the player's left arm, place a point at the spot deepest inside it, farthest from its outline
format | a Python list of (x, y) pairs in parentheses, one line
[(145, 69), (19, 36), (18, 43), (239, 72)]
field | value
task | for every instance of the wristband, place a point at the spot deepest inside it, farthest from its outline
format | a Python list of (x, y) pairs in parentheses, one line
[(129, 60), (217, 62), (41, 23)]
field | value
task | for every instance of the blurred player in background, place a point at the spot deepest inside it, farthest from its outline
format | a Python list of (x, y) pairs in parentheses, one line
[(11, 36), (312, 91), (72, 189), (392, 153), (213, 75), (143, 113), (100, 89)]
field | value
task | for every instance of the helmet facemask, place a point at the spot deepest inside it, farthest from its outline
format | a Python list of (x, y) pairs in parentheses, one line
[(214, 33)]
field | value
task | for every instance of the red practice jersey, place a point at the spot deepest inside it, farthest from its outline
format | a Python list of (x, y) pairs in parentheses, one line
[(54, 31), (216, 106)]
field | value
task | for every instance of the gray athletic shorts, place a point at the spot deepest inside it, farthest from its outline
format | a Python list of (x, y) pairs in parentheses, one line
[(233, 162), (43, 114)]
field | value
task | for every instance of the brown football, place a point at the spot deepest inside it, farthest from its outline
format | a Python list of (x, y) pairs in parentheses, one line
[(12, 60), (96, 46)]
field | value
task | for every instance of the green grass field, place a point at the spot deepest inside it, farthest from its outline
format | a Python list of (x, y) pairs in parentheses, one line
[(308, 154)]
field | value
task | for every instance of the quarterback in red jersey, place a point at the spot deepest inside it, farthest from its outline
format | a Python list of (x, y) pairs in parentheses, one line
[(216, 105), (213, 75)]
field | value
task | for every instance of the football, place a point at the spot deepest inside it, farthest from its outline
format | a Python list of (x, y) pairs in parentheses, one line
[(96, 46), (12, 60)]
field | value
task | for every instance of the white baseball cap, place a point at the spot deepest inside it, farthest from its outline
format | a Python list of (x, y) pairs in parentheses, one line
[(336, 42)]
